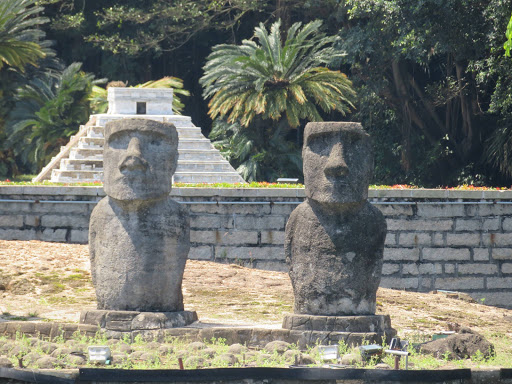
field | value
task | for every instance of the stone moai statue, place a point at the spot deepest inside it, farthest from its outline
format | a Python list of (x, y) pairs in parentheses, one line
[(335, 239), (138, 237)]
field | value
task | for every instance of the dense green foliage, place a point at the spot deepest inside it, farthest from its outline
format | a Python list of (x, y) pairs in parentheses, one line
[(19, 34), (508, 43), (264, 88), (271, 77), (432, 77), (48, 110), (426, 73), (24, 55)]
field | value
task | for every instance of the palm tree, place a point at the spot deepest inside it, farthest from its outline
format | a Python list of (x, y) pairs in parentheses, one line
[(19, 36), (269, 78), (48, 110), (261, 89)]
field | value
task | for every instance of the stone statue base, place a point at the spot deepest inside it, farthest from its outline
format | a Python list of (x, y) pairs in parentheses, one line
[(128, 321), (374, 326)]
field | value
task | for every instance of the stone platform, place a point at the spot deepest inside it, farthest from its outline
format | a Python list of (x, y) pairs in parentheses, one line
[(250, 336), (129, 321), (373, 326)]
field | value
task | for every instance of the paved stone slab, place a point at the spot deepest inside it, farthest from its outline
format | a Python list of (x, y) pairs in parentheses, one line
[(127, 321)]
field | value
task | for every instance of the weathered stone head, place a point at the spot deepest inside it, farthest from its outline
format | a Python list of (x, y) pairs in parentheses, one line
[(140, 156), (335, 239), (338, 162), (139, 237)]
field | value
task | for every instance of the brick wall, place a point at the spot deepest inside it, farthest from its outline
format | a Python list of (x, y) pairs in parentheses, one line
[(437, 239)]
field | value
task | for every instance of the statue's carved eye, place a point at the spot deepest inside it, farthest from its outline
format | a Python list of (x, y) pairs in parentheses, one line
[(119, 141)]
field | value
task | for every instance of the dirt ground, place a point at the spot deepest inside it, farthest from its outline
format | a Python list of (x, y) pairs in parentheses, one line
[(42, 281)]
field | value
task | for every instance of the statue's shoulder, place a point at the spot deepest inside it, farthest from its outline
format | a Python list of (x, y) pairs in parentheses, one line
[(174, 206), (173, 209), (374, 215), (303, 210), (102, 208)]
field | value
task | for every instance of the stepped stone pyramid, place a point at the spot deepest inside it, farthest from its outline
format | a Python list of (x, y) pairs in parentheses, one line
[(81, 160)]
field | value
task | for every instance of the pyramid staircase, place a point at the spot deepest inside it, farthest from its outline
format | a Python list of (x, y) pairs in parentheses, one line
[(81, 160)]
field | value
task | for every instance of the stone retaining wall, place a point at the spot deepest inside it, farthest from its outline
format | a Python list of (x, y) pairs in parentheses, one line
[(437, 239)]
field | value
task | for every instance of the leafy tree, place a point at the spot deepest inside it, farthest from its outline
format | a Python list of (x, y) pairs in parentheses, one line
[(508, 43), (423, 61), (48, 110), (271, 78)]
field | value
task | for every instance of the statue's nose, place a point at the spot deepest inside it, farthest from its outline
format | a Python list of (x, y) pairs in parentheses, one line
[(134, 147), (133, 159), (336, 164)]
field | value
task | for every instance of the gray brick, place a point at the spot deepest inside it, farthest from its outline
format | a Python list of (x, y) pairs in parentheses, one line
[(445, 254), (204, 252), (468, 224), (497, 239), (471, 210), (390, 239), (244, 253), (11, 221), (449, 268), (272, 237), (390, 269), (414, 239), (409, 269), (214, 222), (234, 237), (80, 236), (17, 234), (506, 268), (62, 208), (430, 269), (50, 234), (16, 208), (501, 253), (426, 283), (494, 210), (478, 224), (419, 225), (477, 269), (282, 209), (230, 209), (481, 254), (499, 283), (203, 237), (441, 210), (259, 223), (32, 221), (491, 224), (399, 282), (467, 239), (70, 221), (278, 266), (507, 224), (438, 239), (502, 299), (399, 254), (462, 283), (395, 210)]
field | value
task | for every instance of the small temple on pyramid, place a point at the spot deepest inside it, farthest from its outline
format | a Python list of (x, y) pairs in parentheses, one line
[(81, 160)]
